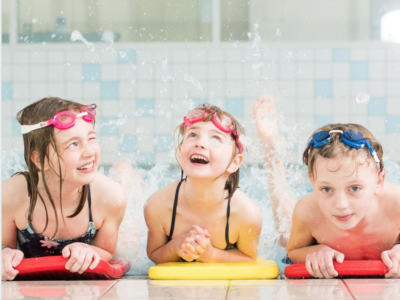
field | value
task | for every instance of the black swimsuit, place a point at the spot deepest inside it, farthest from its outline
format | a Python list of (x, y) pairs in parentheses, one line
[(228, 211), (37, 245)]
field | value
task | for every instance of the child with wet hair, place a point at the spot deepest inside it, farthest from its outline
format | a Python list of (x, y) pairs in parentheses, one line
[(351, 213), (204, 216), (61, 205)]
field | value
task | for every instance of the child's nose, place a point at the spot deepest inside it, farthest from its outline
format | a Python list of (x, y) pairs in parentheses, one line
[(341, 202)]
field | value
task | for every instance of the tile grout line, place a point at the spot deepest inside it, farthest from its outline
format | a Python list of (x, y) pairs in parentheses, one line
[(352, 295), (109, 289), (228, 289)]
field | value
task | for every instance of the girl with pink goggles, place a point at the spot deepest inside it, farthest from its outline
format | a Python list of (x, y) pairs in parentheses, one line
[(225, 124), (64, 119)]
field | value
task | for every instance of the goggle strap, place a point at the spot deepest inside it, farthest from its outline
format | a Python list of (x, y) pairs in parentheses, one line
[(82, 114), (28, 128)]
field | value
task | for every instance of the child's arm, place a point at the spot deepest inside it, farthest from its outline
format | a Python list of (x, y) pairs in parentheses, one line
[(264, 112), (301, 247), (11, 257), (83, 256)]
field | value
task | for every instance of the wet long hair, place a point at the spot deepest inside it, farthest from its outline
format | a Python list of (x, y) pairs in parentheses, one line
[(232, 182), (41, 140), (335, 147)]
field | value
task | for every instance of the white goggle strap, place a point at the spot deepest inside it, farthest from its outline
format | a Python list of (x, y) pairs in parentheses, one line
[(29, 128)]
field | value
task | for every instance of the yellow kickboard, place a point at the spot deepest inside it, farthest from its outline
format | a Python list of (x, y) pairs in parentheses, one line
[(260, 269)]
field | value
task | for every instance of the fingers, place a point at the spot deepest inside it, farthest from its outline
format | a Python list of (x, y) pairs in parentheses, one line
[(95, 262), (339, 257), (18, 256), (75, 261), (86, 262), (392, 260), (66, 252), (10, 258), (321, 265)]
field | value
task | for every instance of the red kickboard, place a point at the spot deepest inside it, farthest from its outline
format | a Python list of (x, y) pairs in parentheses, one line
[(356, 268), (53, 268)]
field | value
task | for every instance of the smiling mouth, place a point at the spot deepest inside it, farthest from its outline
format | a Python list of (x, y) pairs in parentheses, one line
[(198, 159), (344, 218), (88, 166)]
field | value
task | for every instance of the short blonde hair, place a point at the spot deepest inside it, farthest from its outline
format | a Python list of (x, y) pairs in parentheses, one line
[(336, 148)]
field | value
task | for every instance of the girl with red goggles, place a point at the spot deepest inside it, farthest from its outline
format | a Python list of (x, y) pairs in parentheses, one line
[(61, 205), (204, 216)]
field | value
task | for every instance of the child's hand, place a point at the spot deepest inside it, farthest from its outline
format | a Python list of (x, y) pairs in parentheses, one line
[(81, 256), (203, 239), (192, 247), (10, 259), (264, 114), (320, 263), (391, 259)]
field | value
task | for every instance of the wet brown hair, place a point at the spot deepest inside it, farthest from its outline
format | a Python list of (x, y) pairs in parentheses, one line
[(233, 180), (335, 148), (40, 140)]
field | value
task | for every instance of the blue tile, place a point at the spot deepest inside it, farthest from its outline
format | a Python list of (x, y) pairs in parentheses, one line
[(145, 158), (128, 144), (6, 90), (322, 120), (16, 128), (323, 88), (91, 72), (341, 54), (127, 56), (163, 143), (109, 90), (377, 106), (359, 70), (235, 106), (393, 124), (146, 106), (109, 126)]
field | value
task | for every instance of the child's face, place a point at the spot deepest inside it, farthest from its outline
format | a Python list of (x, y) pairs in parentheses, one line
[(206, 151), (345, 188), (79, 153)]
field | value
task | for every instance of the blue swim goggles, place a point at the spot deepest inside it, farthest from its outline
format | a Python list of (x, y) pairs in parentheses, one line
[(350, 138)]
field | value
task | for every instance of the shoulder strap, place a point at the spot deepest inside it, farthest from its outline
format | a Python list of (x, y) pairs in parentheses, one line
[(90, 204), (228, 212), (171, 231)]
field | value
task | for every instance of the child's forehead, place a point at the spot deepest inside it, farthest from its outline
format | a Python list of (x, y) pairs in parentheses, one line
[(205, 126)]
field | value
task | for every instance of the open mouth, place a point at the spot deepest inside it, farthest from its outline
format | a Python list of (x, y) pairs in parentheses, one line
[(87, 166), (198, 159)]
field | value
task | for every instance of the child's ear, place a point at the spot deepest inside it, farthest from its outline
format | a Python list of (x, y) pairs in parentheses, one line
[(235, 164), (36, 160), (380, 183)]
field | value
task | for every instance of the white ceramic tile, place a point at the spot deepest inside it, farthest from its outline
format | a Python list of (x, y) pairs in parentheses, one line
[(127, 72), (21, 90), (305, 89), (180, 69), (287, 55), (305, 70), (145, 143), (216, 71), (287, 71), (323, 106), (234, 89), (377, 70), (6, 56), (288, 90), (38, 57), (216, 89), (56, 57), (356, 87), (91, 90), (376, 54), (377, 124), (393, 70), (341, 70), (74, 72), (305, 54), (55, 289), (374, 288), (145, 72), (199, 70), (38, 90), (323, 54), (21, 57), (306, 106), (233, 71), (341, 89), (21, 73), (144, 89), (110, 108), (271, 55), (233, 56), (6, 72), (109, 144), (341, 106), (74, 90), (392, 88), (109, 72), (359, 54), (393, 54), (344, 118), (180, 89), (180, 56), (127, 90), (377, 88), (198, 56), (74, 56), (393, 105), (216, 55), (56, 89), (161, 55), (91, 57), (109, 57), (38, 73), (56, 72), (323, 70)]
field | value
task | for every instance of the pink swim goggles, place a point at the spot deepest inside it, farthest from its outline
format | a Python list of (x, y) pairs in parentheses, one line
[(225, 124), (64, 119)]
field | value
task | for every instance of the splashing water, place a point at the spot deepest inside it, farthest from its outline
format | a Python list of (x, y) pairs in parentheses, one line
[(362, 98)]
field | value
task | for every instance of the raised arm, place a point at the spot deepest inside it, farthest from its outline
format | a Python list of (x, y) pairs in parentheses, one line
[(265, 116)]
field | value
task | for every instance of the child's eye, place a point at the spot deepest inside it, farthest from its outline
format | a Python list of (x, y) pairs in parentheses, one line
[(326, 190), (72, 145), (192, 134), (355, 188)]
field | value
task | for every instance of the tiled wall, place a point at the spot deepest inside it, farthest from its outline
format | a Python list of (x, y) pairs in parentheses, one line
[(143, 92)]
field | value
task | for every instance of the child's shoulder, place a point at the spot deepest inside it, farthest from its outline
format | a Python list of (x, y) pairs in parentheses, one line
[(162, 196), (14, 190), (306, 206), (246, 207), (391, 197), (108, 191)]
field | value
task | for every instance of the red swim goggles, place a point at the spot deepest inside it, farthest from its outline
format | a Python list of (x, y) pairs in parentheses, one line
[(64, 119), (225, 124)]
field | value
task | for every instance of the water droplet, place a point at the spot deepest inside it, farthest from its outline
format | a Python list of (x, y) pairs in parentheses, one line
[(258, 65), (133, 81), (122, 54), (236, 44), (34, 20), (249, 35), (53, 35), (278, 32), (67, 64), (362, 97)]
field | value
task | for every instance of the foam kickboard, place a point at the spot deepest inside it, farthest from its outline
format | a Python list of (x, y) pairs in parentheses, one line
[(53, 268), (356, 268)]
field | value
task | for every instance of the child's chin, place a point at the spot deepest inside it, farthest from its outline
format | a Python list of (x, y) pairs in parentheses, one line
[(348, 225)]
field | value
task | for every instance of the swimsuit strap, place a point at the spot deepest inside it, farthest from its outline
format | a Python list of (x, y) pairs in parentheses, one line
[(90, 204), (228, 212), (171, 231)]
